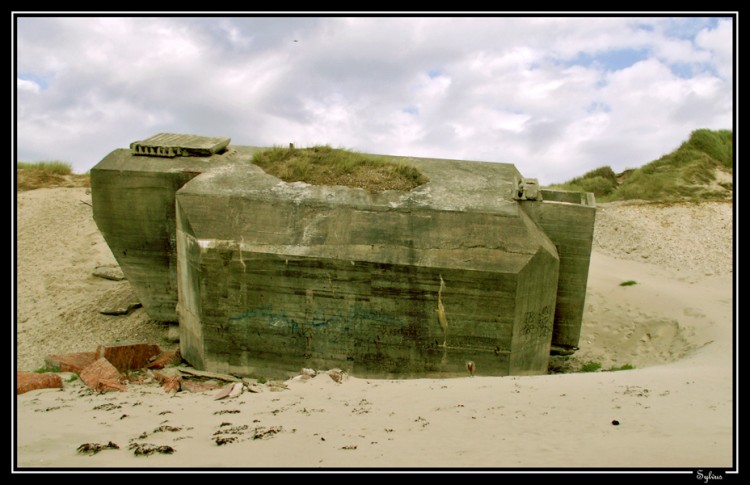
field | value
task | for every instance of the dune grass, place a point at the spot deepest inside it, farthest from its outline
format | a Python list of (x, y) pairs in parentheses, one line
[(323, 165), (48, 174), (61, 168), (687, 173)]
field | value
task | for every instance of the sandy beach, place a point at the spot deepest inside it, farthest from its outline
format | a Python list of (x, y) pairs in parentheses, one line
[(675, 409)]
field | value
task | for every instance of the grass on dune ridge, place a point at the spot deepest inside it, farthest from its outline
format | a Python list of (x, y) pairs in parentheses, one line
[(61, 168), (699, 169), (47, 174)]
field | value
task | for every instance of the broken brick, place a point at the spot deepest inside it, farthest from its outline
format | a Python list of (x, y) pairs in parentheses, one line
[(162, 360), (172, 385), (74, 362), (29, 381), (171, 382), (102, 376), (128, 356)]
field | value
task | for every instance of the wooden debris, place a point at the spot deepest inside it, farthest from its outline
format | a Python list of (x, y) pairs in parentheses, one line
[(208, 375)]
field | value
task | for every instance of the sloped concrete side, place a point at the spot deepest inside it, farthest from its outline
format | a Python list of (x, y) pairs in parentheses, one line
[(135, 213), (534, 314), (134, 207), (189, 280), (568, 220)]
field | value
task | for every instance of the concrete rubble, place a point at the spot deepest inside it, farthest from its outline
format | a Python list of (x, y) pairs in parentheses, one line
[(98, 373)]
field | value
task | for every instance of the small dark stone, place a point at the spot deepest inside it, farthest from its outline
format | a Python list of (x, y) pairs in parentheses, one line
[(120, 310), (615, 422), (109, 272)]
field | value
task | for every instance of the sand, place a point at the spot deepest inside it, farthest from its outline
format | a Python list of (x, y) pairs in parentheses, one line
[(675, 409)]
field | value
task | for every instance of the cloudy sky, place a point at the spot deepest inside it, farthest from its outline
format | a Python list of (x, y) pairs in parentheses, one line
[(557, 96)]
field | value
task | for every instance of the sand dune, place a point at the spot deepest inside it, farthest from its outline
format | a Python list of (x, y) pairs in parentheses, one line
[(674, 410)]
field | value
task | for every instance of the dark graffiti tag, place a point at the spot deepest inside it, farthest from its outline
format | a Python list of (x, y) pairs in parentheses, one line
[(271, 317), (357, 315), (538, 324)]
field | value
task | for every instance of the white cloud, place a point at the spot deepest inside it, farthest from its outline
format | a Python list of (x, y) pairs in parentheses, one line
[(719, 43), (28, 86), (679, 51), (495, 89)]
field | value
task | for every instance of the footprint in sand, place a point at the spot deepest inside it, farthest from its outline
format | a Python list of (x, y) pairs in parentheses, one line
[(693, 312)]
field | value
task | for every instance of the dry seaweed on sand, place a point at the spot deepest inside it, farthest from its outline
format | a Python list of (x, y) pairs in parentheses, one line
[(146, 449), (94, 448)]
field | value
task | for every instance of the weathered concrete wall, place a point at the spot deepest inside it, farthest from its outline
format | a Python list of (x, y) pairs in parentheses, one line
[(277, 276), (371, 319), (134, 207), (568, 219)]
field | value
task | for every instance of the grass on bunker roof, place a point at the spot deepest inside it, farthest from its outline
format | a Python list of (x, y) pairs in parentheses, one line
[(323, 165)]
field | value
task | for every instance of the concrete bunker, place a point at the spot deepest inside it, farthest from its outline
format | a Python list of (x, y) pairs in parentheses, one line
[(265, 277)]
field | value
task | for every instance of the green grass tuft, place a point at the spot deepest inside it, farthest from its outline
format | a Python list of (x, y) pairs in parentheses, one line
[(622, 367), (323, 165), (628, 283), (601, 181), (591, 366), (45, 369)]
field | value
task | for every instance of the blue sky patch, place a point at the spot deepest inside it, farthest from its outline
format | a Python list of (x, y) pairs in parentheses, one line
[(682, 70), (687, 28), (434, 72), (35, 78), (646, 27), (614, 60), (412, 110), (598, 107)]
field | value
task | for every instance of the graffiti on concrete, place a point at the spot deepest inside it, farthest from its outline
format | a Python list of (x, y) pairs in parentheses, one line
[(537, 324)]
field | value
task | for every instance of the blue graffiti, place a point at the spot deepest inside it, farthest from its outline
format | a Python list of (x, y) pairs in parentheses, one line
[(320, 322), (360, 314), (272, 318), (357, 314)]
